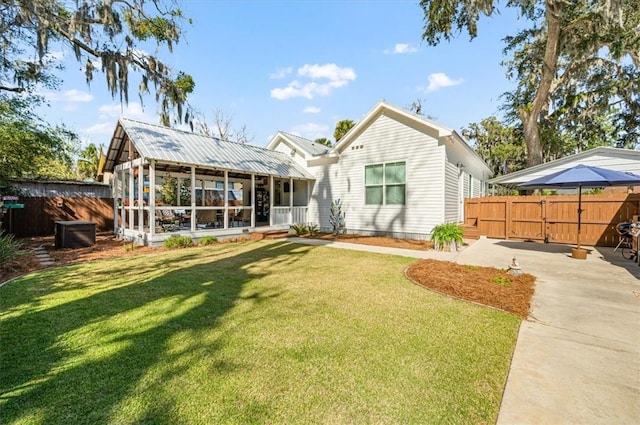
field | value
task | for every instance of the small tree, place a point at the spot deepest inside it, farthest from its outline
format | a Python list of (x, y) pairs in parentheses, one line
[(337, 218)]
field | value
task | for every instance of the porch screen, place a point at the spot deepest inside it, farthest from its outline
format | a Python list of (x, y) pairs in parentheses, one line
[(385, 184)]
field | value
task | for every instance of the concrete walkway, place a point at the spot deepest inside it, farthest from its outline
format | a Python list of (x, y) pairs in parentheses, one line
[(577, 359)]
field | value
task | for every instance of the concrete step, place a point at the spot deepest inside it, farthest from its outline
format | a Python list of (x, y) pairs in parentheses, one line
[(270, 234), (471, 232)]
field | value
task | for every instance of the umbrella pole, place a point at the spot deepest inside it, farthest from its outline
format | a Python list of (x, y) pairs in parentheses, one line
[(579, 212)]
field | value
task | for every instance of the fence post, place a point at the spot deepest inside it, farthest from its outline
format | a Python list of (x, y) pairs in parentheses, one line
[(507, 218)]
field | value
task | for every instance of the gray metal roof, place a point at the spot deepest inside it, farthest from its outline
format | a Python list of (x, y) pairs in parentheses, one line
[(167, 144), (306, 144)]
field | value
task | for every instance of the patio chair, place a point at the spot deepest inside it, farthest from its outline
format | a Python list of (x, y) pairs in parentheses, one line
[(164, 216)]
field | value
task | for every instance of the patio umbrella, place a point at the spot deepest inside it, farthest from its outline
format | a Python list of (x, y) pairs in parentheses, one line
[(583, 176)]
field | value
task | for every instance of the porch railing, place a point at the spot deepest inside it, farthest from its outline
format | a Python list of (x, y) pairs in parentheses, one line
[(288, 215)]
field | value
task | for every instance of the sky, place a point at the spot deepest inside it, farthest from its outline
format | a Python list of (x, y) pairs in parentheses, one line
[(301, 66)]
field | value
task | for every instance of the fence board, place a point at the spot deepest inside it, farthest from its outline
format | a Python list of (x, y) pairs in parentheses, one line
[(39, 214), (552, 218)]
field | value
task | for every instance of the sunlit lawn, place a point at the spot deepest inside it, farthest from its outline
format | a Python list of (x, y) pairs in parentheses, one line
[(259, 332)]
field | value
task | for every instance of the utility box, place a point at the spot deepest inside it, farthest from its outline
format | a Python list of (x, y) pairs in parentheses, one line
[(75, 234)]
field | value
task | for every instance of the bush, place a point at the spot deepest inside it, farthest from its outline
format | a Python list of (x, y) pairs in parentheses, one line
[(208, 240), (300, 229), (337, 218), (9, 249), (447, 234), (313, 229), (178, 241)]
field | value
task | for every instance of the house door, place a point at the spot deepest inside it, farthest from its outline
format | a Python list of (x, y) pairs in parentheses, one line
[(262, 206)]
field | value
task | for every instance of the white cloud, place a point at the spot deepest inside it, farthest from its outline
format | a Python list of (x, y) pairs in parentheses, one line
[(294, 89), (401, 48), (115, 110), (310, 130), (100, 128), (337, 76), (72, 95), (108, 115), (311, 110), (439, 80), (330, 71), (281, 73)]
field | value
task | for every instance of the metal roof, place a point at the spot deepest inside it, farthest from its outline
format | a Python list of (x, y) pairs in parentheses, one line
[(587, 157), (311, 147), (176, 146)]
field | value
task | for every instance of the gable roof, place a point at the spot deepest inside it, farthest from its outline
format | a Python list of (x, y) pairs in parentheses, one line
[(593, 156), (308, 146), (163, 144), (420, 122)]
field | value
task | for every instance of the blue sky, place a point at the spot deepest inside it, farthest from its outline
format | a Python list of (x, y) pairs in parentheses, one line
[(301, 66)]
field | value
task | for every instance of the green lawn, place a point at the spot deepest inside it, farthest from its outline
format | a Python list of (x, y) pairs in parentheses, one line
[(258, 332)]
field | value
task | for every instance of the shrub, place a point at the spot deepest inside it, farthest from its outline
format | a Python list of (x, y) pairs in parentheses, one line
[(300, 229), (178, 241), (313, 229), (447, 234), (337, 218), (501, 280), (208, 240), (9, 249)]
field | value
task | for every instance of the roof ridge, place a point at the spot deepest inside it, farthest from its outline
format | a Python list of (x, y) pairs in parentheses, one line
[(295, 135), (249, 145)]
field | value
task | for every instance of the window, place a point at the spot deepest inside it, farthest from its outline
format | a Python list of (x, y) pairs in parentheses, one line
[(385, 184)]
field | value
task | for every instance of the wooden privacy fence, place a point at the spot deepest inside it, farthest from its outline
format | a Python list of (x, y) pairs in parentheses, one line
[(552, 218), (39, 214)]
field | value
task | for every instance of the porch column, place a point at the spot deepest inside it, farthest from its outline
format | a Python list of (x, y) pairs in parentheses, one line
[(253, 200), (114, 194), (123, 211), (141, 198), (290, 200), (271, 200), (152, 197), (226, 199), (131, 215), (193, 198)]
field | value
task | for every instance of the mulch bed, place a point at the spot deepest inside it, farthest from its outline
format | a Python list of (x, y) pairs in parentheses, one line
[(375, 240), (483, 285)]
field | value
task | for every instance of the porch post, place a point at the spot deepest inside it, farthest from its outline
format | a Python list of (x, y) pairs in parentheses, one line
[(141, 198), (308, 200), (193, 198), (290, 200), (131, 215), (253, 200), (114, 194), (123, 211), (226, 199), (271, 200), (152, 197)]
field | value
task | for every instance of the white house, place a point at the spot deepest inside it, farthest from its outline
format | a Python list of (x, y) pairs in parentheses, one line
[(397, 173), (625, 160)]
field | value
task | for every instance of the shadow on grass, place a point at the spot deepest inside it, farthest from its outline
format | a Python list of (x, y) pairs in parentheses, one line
[(122, 334)]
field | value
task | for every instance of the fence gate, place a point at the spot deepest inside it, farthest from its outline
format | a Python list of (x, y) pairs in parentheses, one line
[(552, 218)]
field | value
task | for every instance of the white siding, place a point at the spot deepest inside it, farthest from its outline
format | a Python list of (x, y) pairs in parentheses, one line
[(451, 195), (602, 160), (287, 149), (467, 185), (384, 141)]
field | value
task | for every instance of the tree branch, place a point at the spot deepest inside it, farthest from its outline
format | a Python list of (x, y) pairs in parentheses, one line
[(12, 89)]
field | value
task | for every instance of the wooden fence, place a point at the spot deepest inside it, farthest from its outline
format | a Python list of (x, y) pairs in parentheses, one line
[(552, 218), (40, 214)]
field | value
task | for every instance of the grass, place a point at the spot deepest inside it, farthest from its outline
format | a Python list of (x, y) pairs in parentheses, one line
[(258, 332)]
